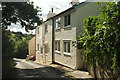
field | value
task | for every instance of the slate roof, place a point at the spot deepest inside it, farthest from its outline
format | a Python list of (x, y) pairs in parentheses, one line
[(69, 9)]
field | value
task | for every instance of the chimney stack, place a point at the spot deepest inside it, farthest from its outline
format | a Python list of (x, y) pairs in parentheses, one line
[(74, 2), (50, 14)]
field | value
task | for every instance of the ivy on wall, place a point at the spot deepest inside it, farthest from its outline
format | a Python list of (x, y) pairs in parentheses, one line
[(101, 38)]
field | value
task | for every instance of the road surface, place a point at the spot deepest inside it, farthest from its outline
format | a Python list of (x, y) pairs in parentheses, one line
[(30, 69)]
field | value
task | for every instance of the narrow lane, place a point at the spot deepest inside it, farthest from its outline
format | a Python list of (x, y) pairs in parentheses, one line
[(30, 69)]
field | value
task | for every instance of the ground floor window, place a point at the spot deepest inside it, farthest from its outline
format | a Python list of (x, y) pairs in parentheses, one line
[(46, 49), (57, 45), (67, 46)]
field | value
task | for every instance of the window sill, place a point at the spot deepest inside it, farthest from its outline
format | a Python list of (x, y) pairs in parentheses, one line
[(46, 54), (65, 53), (46, 32), (67, 40), (57, 51), (37, 52), (42, 54), (57, 28), (57, 40), (68, 26)]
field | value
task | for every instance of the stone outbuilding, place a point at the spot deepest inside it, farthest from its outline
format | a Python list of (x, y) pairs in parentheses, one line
[(32, 46)]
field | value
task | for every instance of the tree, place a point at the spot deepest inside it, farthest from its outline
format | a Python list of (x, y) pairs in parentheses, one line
[(21, 12), (101, 39), (7, 45), (21, 44), (25, 14), (7, 52)]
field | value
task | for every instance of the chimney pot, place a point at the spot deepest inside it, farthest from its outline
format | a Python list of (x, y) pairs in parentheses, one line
[(52, 10)]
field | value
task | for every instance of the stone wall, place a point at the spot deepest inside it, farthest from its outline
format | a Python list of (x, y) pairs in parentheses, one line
[(102, 73), (32, 46)]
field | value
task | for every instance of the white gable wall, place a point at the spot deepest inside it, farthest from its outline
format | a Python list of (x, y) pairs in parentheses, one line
[(66, 34)]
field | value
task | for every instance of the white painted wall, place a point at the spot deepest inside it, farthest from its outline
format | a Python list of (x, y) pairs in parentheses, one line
[(69, 33), (38, 41), (44, 40), (66, 33)]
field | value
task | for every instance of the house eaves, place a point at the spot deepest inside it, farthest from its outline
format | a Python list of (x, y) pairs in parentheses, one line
[(68, 10), (81, 4)]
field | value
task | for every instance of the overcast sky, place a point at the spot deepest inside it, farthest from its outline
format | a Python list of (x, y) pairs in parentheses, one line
[(57, 5), (45, 5)]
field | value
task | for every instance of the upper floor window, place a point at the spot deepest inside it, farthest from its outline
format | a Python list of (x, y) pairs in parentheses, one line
[(57, 45), (41, 50), (67, 20), (37, 47), (46, 28), (37, 30), (58, 23), (67, 46)]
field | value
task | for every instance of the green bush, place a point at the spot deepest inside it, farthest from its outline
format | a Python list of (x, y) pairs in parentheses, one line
[(101, 39)]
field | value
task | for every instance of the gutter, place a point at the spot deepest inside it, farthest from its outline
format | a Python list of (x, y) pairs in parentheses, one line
[(53, 40)]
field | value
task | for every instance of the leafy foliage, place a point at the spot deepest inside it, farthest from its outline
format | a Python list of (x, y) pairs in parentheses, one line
[(14, 44), (101, 39), (7, 45), (21, 12)]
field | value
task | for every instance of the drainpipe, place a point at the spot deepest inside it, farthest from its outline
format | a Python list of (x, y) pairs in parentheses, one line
[(43, 45), (0, 39), (35, 46), (53, 37), (44, 54)]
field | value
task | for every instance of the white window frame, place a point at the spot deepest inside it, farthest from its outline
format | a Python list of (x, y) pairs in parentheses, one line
[(67, 20), (37, 47), (46, 28), (46, 50), (66, 52), (58, 23), (57, 49), (41, 51)]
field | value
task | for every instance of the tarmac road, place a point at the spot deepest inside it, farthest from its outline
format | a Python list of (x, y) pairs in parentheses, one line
[(26, 70)]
